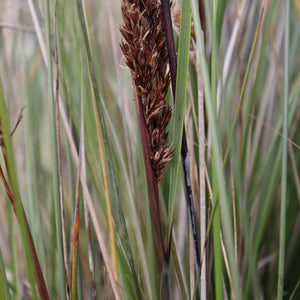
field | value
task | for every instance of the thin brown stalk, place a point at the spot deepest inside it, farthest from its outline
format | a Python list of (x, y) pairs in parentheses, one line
[(145, 52), (11, 134), (62, 210), (151, 182), (7, 189), (42, 288), (20, 117), (76, 234), (274, 130), (36, 265)]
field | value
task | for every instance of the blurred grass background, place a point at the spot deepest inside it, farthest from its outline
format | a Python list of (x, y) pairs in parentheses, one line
[(243, 70)]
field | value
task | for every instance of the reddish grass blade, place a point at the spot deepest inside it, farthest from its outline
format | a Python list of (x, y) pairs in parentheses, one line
[(37, 268), (151, 182)]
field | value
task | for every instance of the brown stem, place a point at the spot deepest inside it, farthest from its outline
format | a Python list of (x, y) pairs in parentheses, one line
[(37, 268), (151, 182)]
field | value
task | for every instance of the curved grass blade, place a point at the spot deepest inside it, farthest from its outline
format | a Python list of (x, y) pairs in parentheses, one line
[(32, 263)]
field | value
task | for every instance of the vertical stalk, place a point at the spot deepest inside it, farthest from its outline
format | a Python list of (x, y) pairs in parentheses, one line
[(101, 132), (218, 159), (145, 52), (61, 272), (202, 170), (4, 293), (184, 149), (284, 156), (152, 184), (218, 262)]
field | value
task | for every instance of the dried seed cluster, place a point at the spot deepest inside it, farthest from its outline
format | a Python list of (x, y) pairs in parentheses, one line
[(145, 52)]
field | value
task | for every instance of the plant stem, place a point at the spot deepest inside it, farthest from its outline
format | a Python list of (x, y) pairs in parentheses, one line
[(284, 156), (151, 182)]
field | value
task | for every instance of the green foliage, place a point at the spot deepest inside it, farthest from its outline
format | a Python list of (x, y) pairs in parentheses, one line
[(249, 76)]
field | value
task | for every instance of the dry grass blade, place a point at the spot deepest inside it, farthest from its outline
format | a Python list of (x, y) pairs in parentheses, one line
[(274, 130), (202, 185), (20, 117)]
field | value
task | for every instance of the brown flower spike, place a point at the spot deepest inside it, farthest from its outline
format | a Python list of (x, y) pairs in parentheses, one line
[(145, 52)]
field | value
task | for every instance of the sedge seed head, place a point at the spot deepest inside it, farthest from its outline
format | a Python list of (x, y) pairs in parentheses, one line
[(145, 52)]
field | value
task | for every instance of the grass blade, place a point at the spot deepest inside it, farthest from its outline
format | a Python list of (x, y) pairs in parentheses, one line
[(76, 232), (4, 293), (179, 108), (62, 259), (184, 148), (225, 212), (101, 131), (33, 267), (282, 236)]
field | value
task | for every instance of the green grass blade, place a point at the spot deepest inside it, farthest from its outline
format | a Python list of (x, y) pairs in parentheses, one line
[(4, 293), (283, 205), (216, 150), (31, 263), (218, 262), (100, 112), (61, 272), (241, 96), (12, 243), (180, 99), (221, 5)]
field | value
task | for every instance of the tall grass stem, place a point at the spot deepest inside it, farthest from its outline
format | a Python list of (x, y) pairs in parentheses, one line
[(282, 236)]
